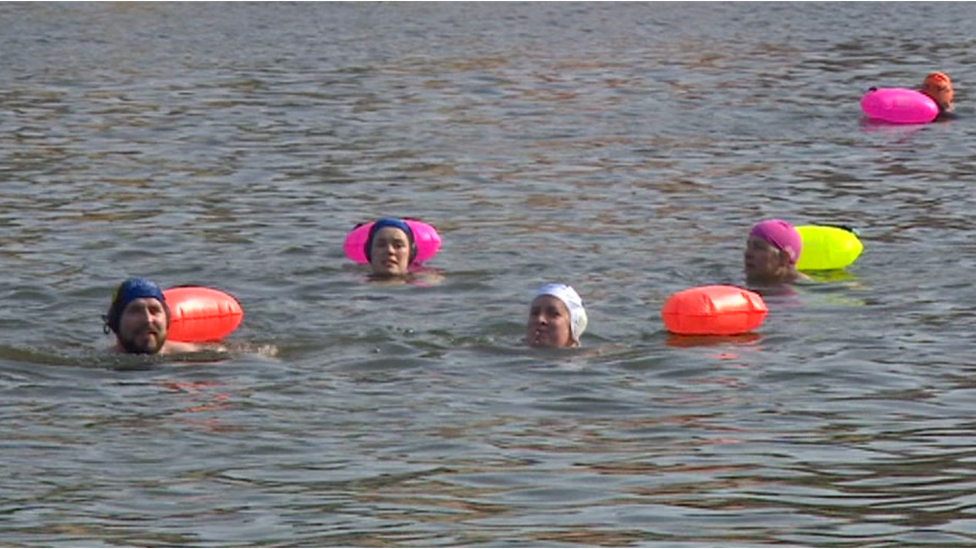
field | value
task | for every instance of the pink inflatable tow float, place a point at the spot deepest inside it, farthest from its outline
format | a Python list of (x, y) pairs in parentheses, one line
[(424, 235), (899, 106)]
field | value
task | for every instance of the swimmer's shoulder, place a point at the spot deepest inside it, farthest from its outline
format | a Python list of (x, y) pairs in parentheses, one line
[(182, 347), (803, 279)]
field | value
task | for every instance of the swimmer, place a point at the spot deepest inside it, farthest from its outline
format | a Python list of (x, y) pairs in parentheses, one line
[(390, 248), (938, 86), (556, 317), (772, 249), (140, 319)]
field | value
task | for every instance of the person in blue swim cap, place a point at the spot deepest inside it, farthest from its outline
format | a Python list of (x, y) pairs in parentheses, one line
[(390, 247), (139, 318)]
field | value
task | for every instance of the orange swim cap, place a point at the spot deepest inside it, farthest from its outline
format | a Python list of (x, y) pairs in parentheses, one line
[(938, 86), (937, 79)]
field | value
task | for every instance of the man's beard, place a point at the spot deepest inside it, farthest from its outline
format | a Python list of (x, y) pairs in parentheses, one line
[(131, 345)]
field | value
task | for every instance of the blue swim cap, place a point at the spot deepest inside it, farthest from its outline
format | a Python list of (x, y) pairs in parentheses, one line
[(389, 222), (127, 292)]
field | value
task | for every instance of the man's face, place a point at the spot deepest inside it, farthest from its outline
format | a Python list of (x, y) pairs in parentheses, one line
[(142, 326)]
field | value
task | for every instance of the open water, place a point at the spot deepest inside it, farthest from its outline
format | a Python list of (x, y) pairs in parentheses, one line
[(624, 148)]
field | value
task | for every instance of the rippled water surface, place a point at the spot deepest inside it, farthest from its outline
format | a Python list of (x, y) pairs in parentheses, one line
[(623, 148)]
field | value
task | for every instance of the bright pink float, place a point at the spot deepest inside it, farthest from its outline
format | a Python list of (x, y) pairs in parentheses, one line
[(424, 235), (899, 106)]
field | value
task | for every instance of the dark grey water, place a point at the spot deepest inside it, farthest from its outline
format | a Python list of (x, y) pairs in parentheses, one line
[(623, 148)]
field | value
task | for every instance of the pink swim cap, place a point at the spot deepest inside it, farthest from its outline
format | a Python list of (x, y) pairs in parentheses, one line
[(780, 234)]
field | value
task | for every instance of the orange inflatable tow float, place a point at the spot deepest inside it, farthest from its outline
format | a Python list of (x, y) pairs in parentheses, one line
[(713, 310), (201, 315)]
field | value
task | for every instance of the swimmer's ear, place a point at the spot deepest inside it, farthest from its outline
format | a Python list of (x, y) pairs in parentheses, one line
[(784, 258)]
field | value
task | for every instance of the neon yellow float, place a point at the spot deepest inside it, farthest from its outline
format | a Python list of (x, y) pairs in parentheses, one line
[(827, 248)]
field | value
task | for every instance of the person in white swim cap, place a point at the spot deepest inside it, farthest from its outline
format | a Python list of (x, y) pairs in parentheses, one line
[(556, 317)]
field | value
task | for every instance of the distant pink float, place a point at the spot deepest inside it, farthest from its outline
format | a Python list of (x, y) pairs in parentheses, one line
[(424, 235), (899, 106)]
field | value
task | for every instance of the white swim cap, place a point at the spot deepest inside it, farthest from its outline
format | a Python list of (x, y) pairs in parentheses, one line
[(573, 302)]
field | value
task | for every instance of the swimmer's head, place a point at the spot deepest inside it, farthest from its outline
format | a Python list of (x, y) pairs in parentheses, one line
[(556, 317), (772, 249), (938, 86), (390, 247), (781, 235), (126, 293)]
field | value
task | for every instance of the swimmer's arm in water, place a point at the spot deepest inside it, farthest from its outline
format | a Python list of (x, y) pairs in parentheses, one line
[(177, 347), (803, 277), (180, 347)]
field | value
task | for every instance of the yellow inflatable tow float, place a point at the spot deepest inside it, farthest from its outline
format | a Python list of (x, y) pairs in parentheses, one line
[(827, 247)]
